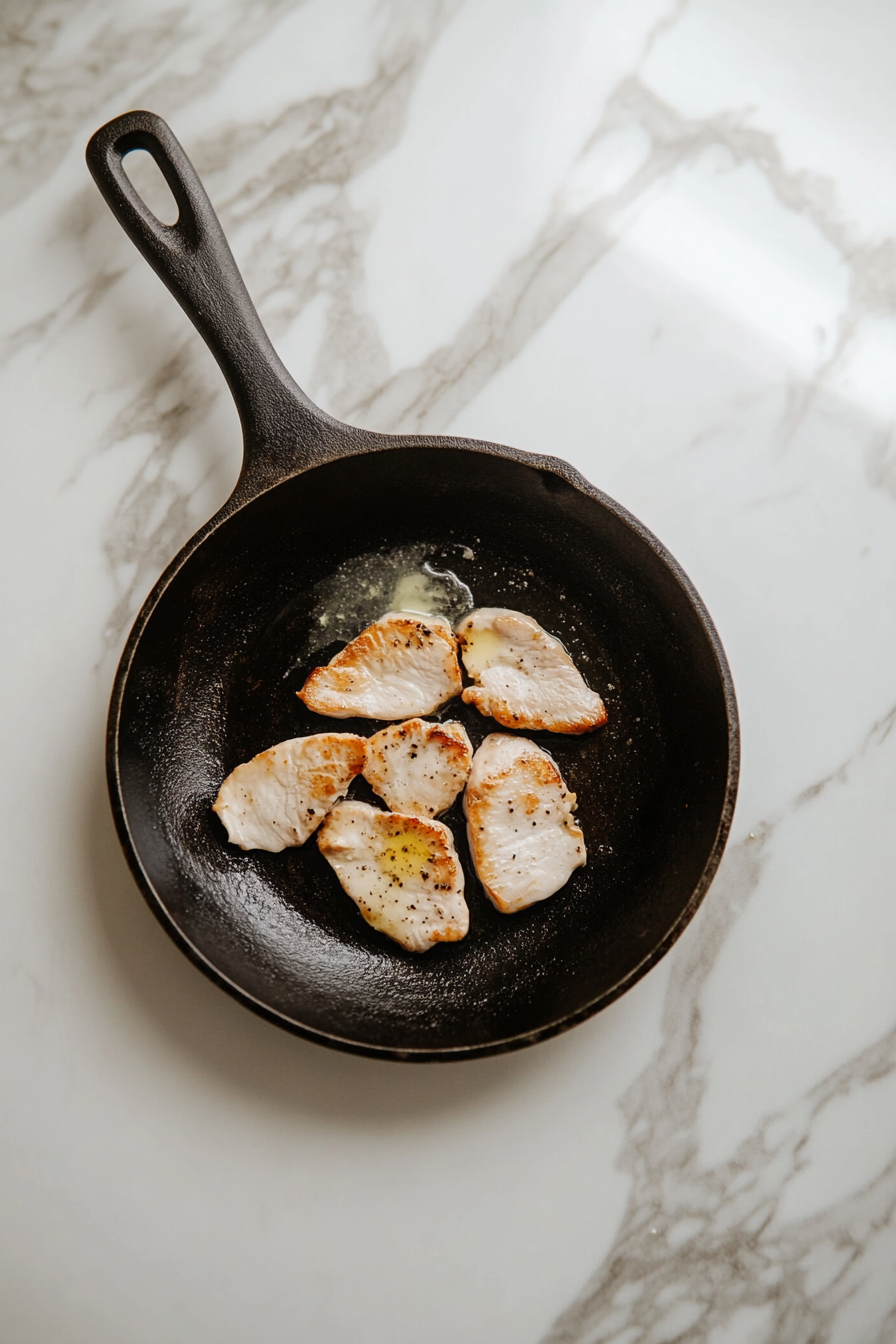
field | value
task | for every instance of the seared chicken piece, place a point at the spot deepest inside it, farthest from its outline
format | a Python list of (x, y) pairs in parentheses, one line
[(525, 678), (418, 767), (523, 838), (402, 873), (399, 666), (281, 796)]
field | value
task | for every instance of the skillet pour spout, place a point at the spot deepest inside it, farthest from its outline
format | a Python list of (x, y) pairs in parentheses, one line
[(227, 635)]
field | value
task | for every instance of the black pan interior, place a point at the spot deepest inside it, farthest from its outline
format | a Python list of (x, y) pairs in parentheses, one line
[(213, 681)]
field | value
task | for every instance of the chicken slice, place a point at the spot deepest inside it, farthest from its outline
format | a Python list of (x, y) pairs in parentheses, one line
[(418, 767), (523, 837), (400, 665), (282, 795), (402, 873), (524, 677)]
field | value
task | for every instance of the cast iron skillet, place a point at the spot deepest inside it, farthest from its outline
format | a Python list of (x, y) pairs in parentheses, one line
[(208, 676)]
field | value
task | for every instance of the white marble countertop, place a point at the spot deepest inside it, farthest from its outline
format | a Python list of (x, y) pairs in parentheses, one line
[(656, 238)]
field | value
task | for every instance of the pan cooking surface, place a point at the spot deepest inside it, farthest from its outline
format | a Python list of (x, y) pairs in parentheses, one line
[(208, 678), (214, 680)]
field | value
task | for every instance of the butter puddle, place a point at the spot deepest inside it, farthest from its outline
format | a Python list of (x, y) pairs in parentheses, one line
[(365, 587)]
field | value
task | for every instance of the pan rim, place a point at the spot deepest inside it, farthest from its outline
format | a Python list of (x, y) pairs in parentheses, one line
[(242, 497)]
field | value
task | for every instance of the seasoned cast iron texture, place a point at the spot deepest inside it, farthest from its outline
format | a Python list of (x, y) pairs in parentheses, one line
[(209, 675)]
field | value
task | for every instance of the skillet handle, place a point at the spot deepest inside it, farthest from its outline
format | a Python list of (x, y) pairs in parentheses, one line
[(193, 259)]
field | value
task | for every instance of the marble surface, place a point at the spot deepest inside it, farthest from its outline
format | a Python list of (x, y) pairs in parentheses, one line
[(657, 238)]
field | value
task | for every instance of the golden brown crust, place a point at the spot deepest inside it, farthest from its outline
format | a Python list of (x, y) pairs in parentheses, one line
[(489, 705), (530, 777), (410, 884), (332, 689), (449, 934), (477, 806), (281, 795), (524, 677), (417, 766)]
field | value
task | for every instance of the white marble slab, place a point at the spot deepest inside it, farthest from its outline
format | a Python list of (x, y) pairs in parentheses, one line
[(657, 239)]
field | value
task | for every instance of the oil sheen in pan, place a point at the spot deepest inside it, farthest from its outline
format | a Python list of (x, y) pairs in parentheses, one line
[(363, 588), (614, 771), (414, 579)]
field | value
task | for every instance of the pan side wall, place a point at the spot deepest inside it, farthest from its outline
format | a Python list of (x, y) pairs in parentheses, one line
[(211, 683)]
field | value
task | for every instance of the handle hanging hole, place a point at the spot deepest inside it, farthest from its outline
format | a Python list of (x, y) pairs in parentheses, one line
[(147, 178)]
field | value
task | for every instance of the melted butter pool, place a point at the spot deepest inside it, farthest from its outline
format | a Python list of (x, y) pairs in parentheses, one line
[(367, 586), (407, 857)]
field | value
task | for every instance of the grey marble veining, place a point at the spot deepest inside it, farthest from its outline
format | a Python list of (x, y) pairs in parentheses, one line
[(315, 148), (63, 58), (305, 157), (703, 1249), (696, 303)]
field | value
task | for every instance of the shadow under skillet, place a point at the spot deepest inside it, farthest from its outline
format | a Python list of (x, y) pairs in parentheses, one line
[(240, 1051)]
